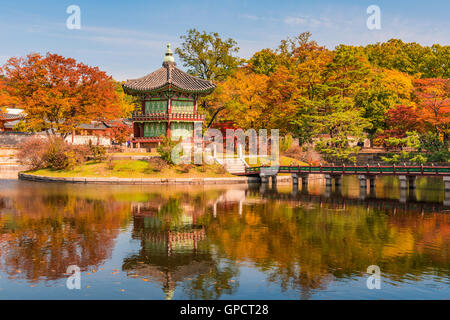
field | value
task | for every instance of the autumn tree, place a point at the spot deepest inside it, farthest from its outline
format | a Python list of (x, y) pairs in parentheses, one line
[(58, 94), (385, 89), (402, 119), (433, 98), (127, 103), (120, 133), (243, 98), (5, 99)]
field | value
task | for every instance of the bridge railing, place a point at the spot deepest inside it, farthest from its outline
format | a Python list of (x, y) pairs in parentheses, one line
[(374, 170)]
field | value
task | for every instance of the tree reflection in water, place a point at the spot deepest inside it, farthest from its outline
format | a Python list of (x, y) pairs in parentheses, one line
[(41, 234), (198, 239)]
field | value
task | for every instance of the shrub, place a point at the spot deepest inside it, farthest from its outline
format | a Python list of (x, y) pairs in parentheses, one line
[(157, 164), (109, 163), (58, 154), (31, 152), (201, 168), (97, 152), (54, 152), (305, 154), (165, 150), (81, 153), (218, 169), (184, 168)]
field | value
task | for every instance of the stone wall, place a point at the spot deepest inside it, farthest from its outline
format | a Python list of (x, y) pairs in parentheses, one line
[(13, 139), (142, 181)]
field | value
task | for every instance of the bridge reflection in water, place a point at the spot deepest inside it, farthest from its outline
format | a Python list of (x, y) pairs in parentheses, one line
[(333, 194), (407, 176)]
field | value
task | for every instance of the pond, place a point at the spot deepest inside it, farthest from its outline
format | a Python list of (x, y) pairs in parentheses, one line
[(224, 242)]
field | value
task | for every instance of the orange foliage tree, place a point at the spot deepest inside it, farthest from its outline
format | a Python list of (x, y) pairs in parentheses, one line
[(120, 133), (5, 99), (58, 94), (433, 97)]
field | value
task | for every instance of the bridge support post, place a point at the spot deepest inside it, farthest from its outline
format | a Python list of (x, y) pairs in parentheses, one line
[(264, 179), (372, 182), (274, 180), (403, 182), (403, 195), (304, 183), (362, 181), (412, 182), (328, 180), (337, 180), (362, 186), (446, 183), (294, 183), (447, 198), (327, 191)]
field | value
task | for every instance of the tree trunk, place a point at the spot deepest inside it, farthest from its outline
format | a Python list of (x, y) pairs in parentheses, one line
[(214, 116)]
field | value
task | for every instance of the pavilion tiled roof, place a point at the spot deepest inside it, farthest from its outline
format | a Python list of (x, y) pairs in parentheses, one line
[(169, 74)]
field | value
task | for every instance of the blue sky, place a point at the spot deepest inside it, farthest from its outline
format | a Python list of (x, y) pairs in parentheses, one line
[(127, 38)]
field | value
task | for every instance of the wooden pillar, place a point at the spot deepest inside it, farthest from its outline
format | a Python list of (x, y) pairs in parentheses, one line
[(168, 130), (141, 129), (136, 130)]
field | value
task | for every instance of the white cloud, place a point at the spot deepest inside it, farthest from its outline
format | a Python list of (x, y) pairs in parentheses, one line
[(295, 20), (249, 17)]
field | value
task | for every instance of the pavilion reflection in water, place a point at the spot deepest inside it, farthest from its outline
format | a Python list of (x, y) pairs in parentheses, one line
[(171, 249)]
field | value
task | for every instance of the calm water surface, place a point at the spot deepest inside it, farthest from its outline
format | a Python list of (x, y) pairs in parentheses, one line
[(230, 242)]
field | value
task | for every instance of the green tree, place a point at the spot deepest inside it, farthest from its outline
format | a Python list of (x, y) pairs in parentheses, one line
[(339, 128), (264, 62), (207, 55)]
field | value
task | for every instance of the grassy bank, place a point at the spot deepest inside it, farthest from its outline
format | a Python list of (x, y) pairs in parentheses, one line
[(133, 169), (284, 161)]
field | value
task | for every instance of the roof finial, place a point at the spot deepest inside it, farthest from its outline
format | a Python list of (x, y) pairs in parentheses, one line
[(169, 55)]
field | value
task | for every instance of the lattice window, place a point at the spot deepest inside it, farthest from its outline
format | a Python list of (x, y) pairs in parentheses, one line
[(154, 129), (179, 106), (181, 129), (156, 106)]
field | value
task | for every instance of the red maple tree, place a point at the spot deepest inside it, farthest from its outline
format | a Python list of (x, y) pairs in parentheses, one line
[(433, 99), (58, 94)]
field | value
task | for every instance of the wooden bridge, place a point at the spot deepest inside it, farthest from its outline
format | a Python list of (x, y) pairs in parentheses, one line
[(407, 174)]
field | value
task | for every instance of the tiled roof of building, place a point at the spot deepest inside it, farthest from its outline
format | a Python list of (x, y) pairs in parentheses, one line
[(169, 74), (10, 116)]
